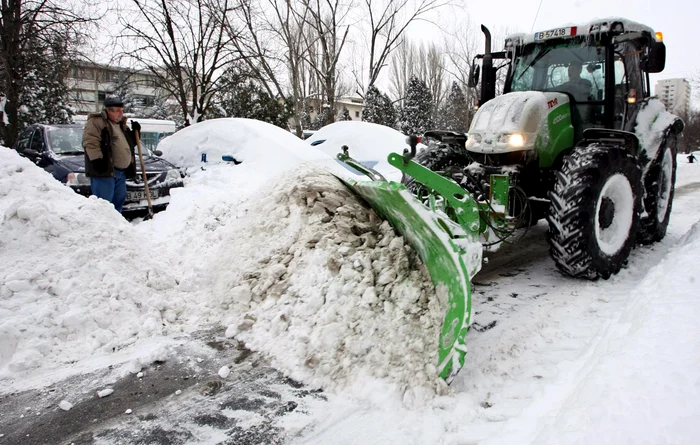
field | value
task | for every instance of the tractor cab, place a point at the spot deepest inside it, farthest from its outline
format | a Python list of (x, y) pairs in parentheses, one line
[(602, 67), (600, 70)]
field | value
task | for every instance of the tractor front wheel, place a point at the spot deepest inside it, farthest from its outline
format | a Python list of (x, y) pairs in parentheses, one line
[(594, 211)]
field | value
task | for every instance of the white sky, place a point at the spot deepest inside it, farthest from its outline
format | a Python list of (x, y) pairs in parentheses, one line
[(677, 19)]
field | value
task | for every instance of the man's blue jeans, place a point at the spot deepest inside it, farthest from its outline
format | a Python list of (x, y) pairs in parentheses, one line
[(111, 189)]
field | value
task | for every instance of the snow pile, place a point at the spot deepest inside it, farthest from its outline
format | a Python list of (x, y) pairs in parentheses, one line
[(325, 288), (74, 277)]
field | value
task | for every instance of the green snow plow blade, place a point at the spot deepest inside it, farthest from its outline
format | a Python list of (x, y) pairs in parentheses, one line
[(451, 253)]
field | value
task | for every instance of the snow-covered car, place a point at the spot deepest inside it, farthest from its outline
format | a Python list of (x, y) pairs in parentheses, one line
[(58, 150), (368, 143), (261, 147)]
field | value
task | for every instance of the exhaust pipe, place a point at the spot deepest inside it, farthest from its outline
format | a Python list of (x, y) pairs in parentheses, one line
[(488, 85)]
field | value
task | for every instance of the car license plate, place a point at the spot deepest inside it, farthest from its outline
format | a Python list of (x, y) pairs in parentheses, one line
[(139, 195), (554, 33)]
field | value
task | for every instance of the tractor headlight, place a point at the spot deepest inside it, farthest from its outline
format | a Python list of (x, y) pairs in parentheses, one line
[(514, 140), (173, 175), (77, 179)]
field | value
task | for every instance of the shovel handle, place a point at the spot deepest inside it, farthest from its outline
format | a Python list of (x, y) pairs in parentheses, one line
[(143, 172)]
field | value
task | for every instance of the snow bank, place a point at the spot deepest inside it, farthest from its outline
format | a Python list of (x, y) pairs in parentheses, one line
[(316, 281), (74, 277), (638, 383)]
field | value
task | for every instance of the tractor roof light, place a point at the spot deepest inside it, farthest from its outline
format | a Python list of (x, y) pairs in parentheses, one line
[(659, 36)]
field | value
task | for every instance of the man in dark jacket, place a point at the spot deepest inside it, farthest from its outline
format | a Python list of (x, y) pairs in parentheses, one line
[(109, 152)]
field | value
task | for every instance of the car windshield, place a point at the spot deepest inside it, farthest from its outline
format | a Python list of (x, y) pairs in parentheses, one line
[(571, 67), (65, 140)]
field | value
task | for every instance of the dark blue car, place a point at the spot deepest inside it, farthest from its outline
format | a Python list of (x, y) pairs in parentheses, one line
[(58, 150)]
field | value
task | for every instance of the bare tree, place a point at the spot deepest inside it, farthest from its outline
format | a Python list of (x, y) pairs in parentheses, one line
[(184, 44), (402, 68), (273, 42), (461, 45), (32, 29), (327, 19), (431, 68), (388, 20)]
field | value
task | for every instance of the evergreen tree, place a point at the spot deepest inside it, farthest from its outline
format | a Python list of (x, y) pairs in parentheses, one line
[(389, 112), (455, 114), (321, 118), (244, 98), (44, 94), (416, 113), (160, 109), (305, 117), (378, 108), (372, 110), (345, 115)]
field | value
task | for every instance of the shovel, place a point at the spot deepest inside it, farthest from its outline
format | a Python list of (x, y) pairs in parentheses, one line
[(145, 179)]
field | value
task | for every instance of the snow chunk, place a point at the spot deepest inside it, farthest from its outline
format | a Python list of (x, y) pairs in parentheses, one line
[(105, 392), (224, 372), (65, 405)]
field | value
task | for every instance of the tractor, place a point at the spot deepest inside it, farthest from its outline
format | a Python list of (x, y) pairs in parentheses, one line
[(575, 138)]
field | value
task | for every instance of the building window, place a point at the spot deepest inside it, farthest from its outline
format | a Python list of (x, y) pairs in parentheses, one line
[(357, 114)]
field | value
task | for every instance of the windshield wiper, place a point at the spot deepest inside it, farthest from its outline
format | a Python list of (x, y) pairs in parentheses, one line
[(534, 61)]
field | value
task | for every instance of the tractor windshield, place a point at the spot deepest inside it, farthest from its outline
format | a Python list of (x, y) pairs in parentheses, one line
[(571, 67)]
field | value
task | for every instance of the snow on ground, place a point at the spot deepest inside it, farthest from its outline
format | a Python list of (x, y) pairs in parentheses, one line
[(75, 277), (285, 259)]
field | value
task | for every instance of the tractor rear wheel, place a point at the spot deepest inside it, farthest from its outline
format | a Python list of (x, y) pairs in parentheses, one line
[(659, 185), (594, 211)]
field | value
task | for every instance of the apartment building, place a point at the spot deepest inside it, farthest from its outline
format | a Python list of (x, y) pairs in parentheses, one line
[(675, 94), (89, 83)]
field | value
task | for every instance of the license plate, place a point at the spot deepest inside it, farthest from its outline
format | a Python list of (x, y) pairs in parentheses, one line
[(139, 195), (554, 33)]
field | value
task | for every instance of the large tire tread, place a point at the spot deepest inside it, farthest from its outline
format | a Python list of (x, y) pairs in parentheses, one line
[(572, 219)]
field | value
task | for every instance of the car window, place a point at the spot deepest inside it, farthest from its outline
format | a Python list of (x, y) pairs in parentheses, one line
[(65, 140), (23, 140), (37, 141)]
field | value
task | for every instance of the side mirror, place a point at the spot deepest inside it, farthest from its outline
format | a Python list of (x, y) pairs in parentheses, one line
[(474, 76), (31, 153), (157, 152), (655, 59)]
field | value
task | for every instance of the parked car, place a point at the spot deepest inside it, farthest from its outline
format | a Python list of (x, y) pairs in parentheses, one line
[(369, 143), (58, 150)]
